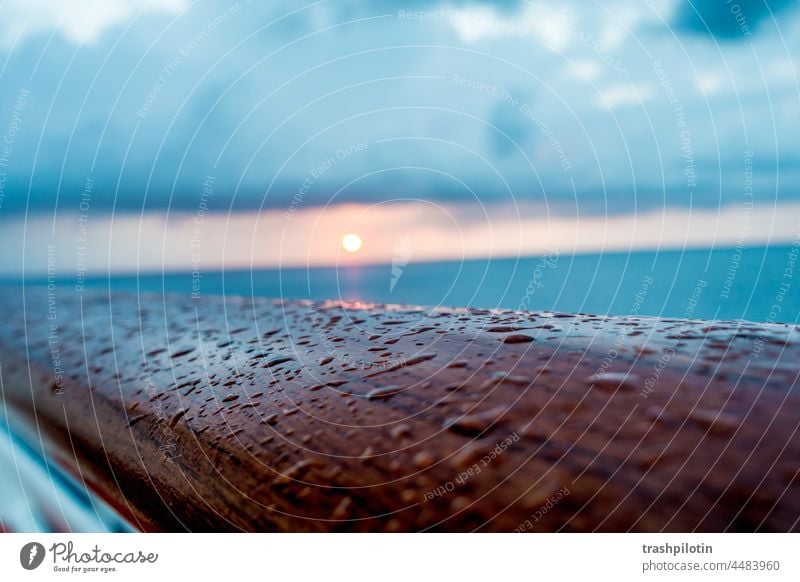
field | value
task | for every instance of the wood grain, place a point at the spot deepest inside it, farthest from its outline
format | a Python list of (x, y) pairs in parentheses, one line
[(237, 414)]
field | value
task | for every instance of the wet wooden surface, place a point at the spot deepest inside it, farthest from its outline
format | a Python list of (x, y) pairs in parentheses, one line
[(234, 414)]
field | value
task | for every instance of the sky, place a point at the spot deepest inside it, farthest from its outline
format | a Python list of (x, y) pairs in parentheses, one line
[(483, 128)]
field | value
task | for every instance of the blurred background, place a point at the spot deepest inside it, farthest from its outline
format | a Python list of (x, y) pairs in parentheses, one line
[(626, 157)]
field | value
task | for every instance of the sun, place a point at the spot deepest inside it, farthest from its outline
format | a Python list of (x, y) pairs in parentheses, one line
[(351, 242)]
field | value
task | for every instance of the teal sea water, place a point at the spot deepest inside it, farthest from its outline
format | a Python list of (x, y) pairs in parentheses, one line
[(757, 284)]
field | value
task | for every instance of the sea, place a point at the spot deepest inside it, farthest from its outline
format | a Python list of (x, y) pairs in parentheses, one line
[(756, 283)]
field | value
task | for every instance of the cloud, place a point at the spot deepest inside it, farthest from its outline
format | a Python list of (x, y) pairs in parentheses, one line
[(540, 23), (260, 95), (624, 94), (78, 21), (507, 131), (727, 19)]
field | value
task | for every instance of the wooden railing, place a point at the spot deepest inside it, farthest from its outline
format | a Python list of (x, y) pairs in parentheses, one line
[(259, 415)]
